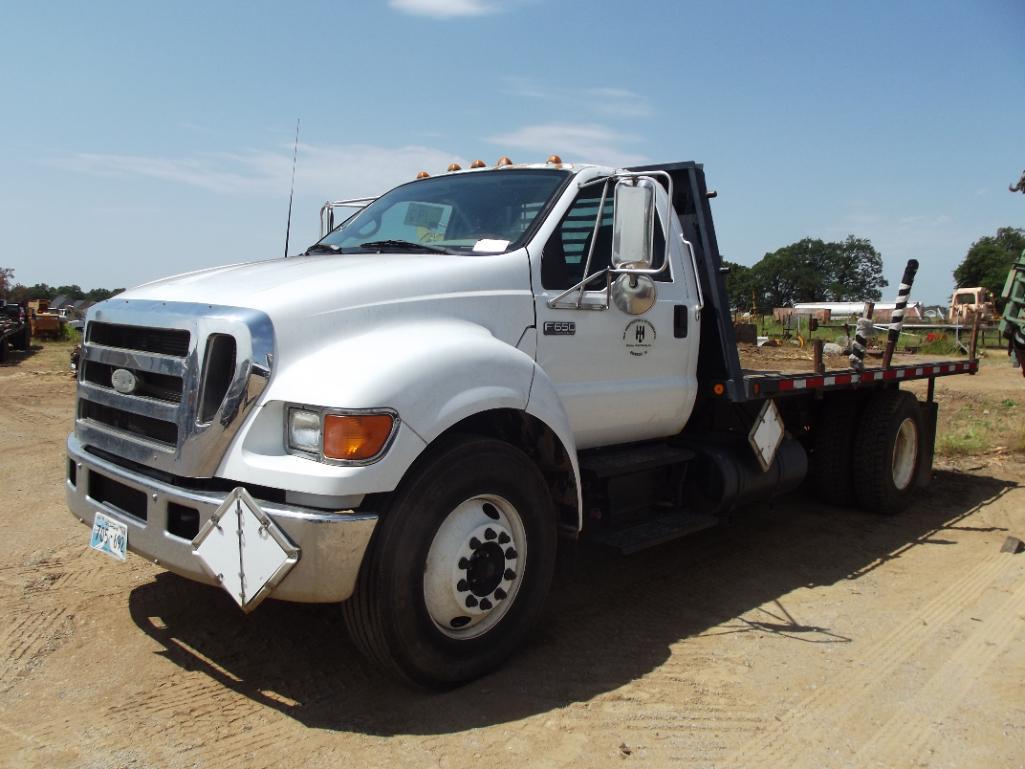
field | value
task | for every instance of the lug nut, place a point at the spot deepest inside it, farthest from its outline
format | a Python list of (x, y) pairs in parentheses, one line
[(463, 563), (509, 574), (461, 586), (489, 534), (500, 594), (471, 601), (503, 538), (485, 604), (510, 553), (474, 543)]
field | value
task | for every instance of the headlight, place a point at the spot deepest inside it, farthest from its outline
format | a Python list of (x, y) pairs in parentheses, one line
[(358, 437), (304, 430)]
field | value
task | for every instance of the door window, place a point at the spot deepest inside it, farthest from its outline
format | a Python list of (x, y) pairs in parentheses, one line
[(565, 253)]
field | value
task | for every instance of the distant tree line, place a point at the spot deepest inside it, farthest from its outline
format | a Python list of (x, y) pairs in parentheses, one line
[(851, 270), (989, 259), (16, 292), (810, 270)]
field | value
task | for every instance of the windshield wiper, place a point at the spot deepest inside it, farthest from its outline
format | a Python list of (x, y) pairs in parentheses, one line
[(402, 244), (323, 248)]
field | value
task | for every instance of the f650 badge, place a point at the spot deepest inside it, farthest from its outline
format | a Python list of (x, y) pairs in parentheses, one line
[(560, 328)]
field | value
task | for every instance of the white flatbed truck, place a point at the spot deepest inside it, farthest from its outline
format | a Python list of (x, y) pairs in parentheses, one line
[(410, 416)]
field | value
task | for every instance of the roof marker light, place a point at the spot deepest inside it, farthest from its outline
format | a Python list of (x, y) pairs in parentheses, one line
[(503, 161), (555, 160), (477, 164), (422, 175), (454, 167)]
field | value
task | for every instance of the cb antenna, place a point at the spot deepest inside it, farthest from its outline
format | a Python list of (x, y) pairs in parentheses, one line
[(291, 192)]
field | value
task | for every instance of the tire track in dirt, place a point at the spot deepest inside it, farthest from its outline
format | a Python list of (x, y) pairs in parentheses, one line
[(852, 690), (906, 733), (26, 641), (220, 714)]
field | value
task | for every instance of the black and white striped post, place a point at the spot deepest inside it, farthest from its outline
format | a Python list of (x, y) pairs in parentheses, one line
[(897, 319), (857, 357)]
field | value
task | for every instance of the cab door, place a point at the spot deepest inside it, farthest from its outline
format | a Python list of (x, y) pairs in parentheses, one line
[(620, 377)]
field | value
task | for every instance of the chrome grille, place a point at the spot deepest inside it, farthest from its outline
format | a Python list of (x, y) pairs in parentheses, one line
[(166, 341), (197, 370)]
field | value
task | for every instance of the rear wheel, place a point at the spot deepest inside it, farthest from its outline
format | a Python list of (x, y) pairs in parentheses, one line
[(833, 448), (459, 565), (889, 449)]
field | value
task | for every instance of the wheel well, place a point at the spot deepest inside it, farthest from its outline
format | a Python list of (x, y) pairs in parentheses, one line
[(538, 441)]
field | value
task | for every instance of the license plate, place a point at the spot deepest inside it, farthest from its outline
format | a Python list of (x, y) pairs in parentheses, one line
[(109, 536)]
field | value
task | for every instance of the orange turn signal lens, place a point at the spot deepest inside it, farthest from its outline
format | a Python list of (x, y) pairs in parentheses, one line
[(356, 436)]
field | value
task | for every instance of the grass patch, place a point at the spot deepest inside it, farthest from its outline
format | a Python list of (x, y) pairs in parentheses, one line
[(979, 425)]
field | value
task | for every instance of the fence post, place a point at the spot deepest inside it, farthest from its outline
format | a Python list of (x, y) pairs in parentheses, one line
[(897, 319)]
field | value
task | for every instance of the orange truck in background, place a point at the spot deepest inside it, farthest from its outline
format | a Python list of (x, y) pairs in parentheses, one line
[(966, 303)]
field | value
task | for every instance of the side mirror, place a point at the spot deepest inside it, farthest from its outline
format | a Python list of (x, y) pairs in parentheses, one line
[(633, 223)]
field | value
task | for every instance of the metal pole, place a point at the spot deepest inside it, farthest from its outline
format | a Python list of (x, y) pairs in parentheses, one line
[(820, 366), (975, 336), (897, 319), (857, 357)]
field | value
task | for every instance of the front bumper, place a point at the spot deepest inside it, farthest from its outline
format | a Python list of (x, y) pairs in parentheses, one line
[(331, 544)]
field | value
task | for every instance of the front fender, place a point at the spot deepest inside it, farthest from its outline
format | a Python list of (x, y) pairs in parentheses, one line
[(546, 405), (434, 374)]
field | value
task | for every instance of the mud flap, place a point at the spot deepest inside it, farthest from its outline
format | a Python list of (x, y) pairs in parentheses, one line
[(929, 411)]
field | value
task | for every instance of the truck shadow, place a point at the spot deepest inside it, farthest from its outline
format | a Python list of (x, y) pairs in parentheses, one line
[(15, 357), (612, 623)]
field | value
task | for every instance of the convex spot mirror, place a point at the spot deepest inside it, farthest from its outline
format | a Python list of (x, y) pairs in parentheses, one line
[(633, 223), (634, 294)]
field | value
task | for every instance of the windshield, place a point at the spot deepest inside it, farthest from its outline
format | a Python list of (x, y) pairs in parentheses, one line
[(482, 212)]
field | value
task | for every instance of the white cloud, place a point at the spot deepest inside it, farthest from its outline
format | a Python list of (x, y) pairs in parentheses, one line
[(618, 102), (326, 171), (573, 143), (444, 9)]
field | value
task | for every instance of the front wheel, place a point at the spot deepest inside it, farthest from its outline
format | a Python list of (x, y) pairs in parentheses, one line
[(458, 567)]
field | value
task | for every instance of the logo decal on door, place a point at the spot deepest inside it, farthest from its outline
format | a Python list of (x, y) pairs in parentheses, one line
[(639, 336)]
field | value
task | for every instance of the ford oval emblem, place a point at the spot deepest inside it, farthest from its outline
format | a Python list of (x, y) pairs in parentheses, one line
[(124, 381)]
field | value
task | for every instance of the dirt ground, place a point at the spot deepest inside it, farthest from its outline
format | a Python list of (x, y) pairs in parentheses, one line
[(803, 636)]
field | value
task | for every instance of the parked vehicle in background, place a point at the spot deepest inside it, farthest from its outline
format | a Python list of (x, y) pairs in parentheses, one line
[(409, 416), (15, 331), (45, 322), (966, 303)]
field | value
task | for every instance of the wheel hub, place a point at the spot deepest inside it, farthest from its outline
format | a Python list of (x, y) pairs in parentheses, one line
[(485, 569), (472, 572), (905, 454)]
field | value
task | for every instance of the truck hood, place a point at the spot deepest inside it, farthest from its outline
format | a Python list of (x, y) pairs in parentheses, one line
[(310, 297)]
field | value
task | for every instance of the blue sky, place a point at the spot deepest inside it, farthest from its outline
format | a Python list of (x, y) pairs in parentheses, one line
[(142, 139)]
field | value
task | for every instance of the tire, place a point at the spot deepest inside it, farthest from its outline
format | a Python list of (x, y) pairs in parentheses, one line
[(458, 567), (889, 450), (3, 350), (833, 449), (24, 340)]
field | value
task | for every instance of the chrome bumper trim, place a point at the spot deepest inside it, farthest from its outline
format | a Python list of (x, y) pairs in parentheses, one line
[(332, 544)]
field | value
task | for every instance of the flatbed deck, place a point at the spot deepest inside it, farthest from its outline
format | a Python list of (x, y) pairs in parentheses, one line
[(763, 384)]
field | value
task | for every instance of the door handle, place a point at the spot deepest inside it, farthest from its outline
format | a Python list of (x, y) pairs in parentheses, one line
[(680, 321)]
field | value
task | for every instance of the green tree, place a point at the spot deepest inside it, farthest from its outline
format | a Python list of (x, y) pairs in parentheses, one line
[(857, 272), (811, 270), (740, 286), (989, 259), (6, 280), (73, 292)]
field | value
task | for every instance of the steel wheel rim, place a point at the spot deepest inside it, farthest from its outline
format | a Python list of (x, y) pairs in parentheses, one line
[(475, 566), (905, 454)]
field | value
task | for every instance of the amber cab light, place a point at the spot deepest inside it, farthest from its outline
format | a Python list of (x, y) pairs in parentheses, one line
[(356, 436)]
